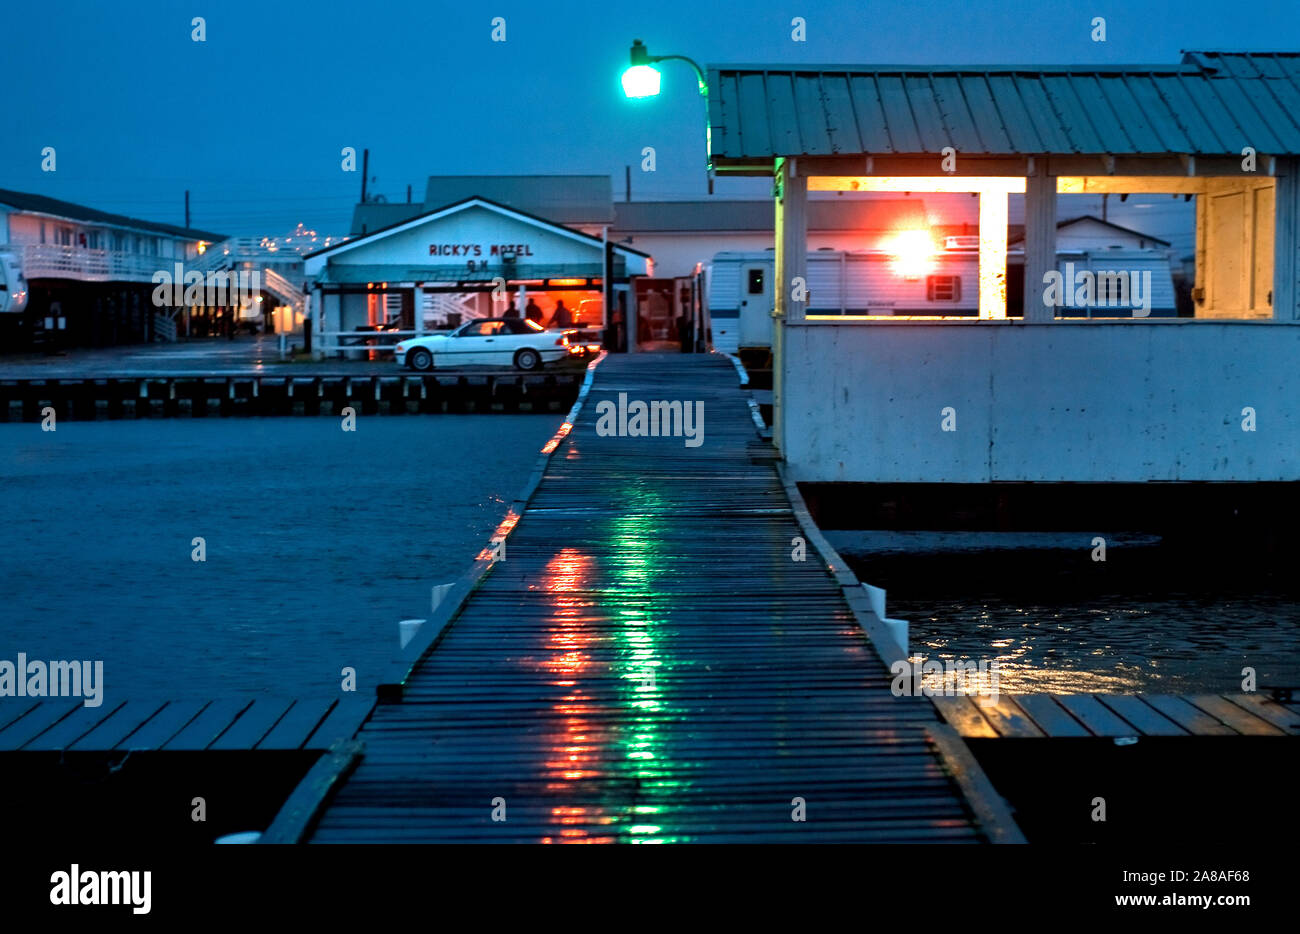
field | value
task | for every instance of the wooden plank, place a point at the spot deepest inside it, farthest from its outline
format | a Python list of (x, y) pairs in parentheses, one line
[(163, 725), (990, 807), (964, 716), (1229, 714), (340, 723), (37, 721), (1288, 721), (204, 729), (1190, 718), (1051, 717), (253, 724), (300, 812), (297, 725), (1092, 714), (1009, 720), (13, 710), (71, 728), (119, 725), (1143, 716)]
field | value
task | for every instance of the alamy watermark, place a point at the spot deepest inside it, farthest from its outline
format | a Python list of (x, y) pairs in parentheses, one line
[(1110, 288), (659, 419), (930, 677), (37, 678), (78, 886), (220, 288)]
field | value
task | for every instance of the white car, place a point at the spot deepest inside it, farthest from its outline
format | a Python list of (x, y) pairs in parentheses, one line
[(515, 342)]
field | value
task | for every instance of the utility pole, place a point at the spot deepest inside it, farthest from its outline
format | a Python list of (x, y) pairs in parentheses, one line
[(408, 194), (365, 172), (187, 207), (627, 171)]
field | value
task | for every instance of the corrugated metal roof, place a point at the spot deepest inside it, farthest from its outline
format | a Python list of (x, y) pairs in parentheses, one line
[(564, 199), (633, 217), (375, 215), (1212, 104), (23, 201)]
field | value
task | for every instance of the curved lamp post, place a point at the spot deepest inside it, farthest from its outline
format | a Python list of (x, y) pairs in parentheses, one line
[(641, 79)]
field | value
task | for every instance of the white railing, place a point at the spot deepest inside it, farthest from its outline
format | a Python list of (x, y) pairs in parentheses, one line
[(164, 329), (50, 261), (273, 282), (357, 342)]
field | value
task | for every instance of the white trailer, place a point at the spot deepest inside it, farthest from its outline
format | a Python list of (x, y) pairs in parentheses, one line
[(874, 282), (13, 287)]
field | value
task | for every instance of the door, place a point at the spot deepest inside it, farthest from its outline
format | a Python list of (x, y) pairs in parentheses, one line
[(756, 305), (478, 343), (1234, 255)]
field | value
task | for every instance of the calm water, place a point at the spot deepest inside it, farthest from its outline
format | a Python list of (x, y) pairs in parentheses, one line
[(1150, 618), (318, 542)]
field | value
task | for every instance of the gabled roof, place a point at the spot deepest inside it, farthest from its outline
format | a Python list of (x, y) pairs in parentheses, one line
[(1213, 104), (39, 204), (462, 205), (1071, 221)]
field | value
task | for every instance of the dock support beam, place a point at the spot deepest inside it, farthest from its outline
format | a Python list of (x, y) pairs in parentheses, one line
[(1040, 242)]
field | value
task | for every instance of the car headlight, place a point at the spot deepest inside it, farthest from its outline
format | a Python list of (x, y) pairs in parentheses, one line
[(400, 348)]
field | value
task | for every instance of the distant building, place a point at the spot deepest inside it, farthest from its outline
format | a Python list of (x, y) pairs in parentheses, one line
[(84, 273)]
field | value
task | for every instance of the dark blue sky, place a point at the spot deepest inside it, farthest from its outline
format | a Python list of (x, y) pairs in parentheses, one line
[(253, 120)]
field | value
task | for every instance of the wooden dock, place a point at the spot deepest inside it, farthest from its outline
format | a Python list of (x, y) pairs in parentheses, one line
[(649, 664), (1056, 716), (148, 725), (197, 395)]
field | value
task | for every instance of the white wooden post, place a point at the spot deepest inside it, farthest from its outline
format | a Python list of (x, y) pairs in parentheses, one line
[(993, 254), (417, 296), (791, 277), (1040, 242)]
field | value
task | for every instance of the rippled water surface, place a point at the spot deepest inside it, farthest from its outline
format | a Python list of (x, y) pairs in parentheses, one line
[(318, 541), (1148, 619)]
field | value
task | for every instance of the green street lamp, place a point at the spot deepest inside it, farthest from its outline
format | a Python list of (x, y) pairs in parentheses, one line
[(641, 79)]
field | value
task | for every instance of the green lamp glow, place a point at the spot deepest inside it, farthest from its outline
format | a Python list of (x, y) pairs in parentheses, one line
[(641, 81)]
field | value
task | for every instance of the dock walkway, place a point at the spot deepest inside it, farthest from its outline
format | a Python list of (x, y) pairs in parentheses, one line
[(649, 663)]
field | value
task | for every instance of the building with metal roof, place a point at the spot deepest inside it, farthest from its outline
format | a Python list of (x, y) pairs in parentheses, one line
[(1211, 104), (1036, 393)]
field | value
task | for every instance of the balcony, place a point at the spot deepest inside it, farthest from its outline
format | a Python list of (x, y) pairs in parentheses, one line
[(50, 261)]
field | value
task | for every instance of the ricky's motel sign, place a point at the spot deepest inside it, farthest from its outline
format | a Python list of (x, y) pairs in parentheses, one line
[(479, 249)]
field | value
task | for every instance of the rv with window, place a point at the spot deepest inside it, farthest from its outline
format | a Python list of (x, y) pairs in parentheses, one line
[(942, 283)]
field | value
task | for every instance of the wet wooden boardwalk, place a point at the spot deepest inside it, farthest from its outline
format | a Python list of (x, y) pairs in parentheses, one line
[(152, 724), (1054, 716), (649, 664)]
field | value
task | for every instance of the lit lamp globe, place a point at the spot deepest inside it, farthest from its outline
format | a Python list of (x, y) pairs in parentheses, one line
[(641, 81)]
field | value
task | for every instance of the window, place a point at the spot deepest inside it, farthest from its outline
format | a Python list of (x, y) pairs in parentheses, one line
[(481, 329), (755, 282), (943, 288)]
